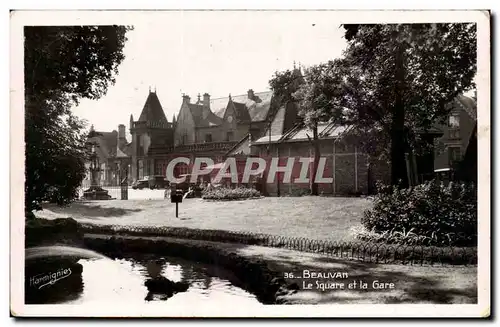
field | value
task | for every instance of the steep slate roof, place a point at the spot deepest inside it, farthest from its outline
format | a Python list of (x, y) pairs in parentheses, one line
[(284, 119), (121, 154), (152, 110), (108, 142), (127, 149), (108, 146), (198, 110), (257, 108), (300, 132), (241, 112), (242, 147), (469, 105), (278, 123)]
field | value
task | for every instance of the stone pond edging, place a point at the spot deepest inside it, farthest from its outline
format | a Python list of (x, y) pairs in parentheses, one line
[(380, 253), (254, 274)]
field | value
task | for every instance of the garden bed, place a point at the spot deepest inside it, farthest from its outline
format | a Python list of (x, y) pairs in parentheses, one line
[(222, 200), (230, 194)]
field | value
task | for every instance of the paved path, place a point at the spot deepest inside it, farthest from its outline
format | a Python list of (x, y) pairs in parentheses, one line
[(411, 284)]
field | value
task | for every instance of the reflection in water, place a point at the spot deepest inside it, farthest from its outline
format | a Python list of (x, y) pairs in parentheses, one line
[(157, 284), (145, 279)]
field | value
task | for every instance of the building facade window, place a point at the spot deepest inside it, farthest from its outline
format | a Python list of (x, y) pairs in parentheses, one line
[(160, 168), (455, 153), (184, 139), (181, 169), (140, 169), (208, 138), (454, 121), (454, 126), (140, 147), (229, 136), (103, 172), (453, 133)]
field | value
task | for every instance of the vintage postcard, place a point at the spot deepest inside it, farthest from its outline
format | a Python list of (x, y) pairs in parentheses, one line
[(250, 163)]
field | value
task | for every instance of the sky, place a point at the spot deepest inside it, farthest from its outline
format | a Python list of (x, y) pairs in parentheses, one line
[(220, 53)]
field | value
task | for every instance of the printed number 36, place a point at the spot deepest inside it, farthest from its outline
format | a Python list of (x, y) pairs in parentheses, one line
[(288, 275)]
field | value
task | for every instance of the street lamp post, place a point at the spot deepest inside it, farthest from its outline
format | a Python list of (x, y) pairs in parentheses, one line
[(95, 192), (94, 166)]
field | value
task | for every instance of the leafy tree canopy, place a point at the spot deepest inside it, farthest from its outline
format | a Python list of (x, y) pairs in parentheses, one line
[(394, 81), (62, 65)]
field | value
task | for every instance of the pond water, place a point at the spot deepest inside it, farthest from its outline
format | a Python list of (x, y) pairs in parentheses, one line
[(122, 280)]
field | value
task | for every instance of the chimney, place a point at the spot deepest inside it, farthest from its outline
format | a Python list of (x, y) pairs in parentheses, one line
[(122, 139), (186, 98), (251, 95), (206, 100)]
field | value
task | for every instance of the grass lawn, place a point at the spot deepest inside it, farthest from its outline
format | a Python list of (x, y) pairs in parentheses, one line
[(328, 218)]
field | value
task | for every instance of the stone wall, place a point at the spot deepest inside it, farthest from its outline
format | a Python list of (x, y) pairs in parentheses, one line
[(185, 126)]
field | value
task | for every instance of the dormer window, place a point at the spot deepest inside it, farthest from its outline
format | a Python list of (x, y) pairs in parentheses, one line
[(454, 126), (454, 121)]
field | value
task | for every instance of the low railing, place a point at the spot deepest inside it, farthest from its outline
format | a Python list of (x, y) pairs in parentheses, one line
[(368, 252), (196, 147), (152, 124)]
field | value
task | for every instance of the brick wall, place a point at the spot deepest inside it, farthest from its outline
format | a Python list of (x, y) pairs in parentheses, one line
[(343, 163)]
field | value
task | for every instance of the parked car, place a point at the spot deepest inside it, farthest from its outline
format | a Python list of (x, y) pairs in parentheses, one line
[(157, 182), (140, 184)]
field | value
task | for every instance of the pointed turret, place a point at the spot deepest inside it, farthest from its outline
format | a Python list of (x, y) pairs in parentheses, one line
[(174, 122), (152, 111), (297, 74)]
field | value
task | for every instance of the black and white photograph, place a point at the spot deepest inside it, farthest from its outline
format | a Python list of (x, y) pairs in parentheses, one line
[(250, 163)]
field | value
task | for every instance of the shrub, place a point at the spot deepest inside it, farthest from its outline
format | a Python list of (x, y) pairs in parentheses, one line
[(431, 213), (224, 193)]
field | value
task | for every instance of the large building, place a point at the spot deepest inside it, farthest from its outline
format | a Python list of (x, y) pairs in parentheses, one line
[(241, 126), (251, 125), (205, 128), (452, 146), (113, 154)]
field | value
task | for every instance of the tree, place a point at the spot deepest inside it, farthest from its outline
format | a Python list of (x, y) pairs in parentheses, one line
[(284, 84), (402, 77), (320, 99), (62, 65)]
